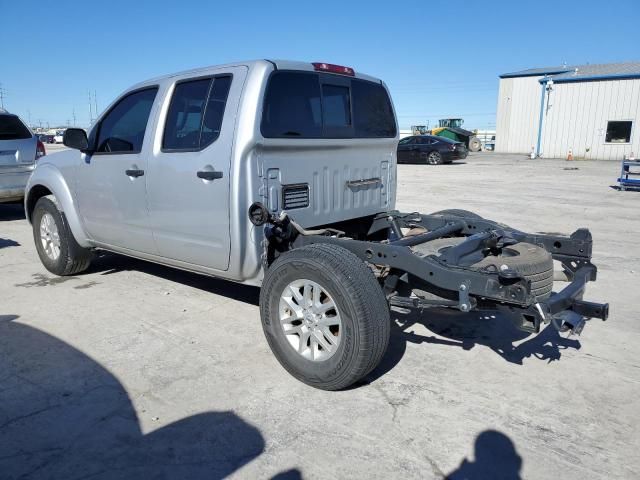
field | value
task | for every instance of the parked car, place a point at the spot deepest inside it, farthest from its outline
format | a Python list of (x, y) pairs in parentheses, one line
[(58, 137), (283, 175), (430, 149), (47, 138), (19, 150)]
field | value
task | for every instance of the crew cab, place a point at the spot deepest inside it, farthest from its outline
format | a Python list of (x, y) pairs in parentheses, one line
[(282, 175)]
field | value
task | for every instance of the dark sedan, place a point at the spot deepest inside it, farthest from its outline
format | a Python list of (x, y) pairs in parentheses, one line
[(46, 138), (430, 149)]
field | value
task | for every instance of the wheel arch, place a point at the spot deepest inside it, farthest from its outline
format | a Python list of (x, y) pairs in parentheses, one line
[(47, 180)]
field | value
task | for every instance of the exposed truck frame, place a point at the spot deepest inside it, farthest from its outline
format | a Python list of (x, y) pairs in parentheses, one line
[(446, 274)]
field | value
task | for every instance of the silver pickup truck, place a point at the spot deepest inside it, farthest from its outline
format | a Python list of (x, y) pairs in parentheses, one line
[(282, 174)]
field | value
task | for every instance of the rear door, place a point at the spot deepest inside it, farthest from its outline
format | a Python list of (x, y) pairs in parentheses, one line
[(330, 145), (188, 183)]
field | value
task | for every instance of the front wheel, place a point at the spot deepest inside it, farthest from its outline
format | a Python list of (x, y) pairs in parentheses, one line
[(324, 315), (57, 248)]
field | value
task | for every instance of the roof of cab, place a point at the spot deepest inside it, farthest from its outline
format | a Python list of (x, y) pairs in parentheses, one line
[(279, 65)]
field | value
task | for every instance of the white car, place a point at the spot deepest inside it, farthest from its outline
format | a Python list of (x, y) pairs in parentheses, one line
[(58, 137)]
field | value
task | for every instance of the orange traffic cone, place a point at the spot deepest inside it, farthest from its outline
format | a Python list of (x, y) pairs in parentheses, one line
[(570, 154)]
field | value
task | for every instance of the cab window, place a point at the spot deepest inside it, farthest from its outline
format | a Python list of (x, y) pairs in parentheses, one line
[(122, 129), (195, 114), (312, 105)]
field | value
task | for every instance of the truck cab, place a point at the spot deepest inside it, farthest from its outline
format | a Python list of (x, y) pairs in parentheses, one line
[(173, 163)]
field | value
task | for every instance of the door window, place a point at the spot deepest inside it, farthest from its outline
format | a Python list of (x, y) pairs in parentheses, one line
[(122, 129), (195, 114)]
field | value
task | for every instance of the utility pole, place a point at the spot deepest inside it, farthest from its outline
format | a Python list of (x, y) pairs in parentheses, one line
[(2, 94), (95, 100), (90, 107), (74, 116)]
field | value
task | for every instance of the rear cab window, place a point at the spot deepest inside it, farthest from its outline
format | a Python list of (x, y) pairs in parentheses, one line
[(319, 105), (12, 128)]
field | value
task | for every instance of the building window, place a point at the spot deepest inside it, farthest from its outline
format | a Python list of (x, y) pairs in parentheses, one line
[(618, 132)]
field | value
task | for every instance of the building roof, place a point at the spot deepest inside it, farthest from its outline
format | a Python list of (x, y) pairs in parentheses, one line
[(582, 73), (537, 72)]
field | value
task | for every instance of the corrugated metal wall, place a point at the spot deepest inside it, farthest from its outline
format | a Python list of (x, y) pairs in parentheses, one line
[(575, 117), (517, 115)]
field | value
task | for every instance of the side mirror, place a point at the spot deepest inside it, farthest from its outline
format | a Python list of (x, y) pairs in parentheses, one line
[(76, 138)]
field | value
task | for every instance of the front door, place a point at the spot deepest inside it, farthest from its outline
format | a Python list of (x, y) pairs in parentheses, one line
[(406, 150), (189, 175), (111, 182)]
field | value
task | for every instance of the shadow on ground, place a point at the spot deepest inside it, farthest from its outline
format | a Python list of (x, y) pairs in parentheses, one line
[(7, 242), (11, 211), (109, 263), (465, 331), (495, 458), (62, 415)]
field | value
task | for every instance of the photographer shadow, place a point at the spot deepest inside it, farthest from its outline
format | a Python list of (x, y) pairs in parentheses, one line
[(63, 415)]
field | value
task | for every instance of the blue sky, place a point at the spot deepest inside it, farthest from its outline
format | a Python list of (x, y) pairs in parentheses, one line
[(439, 58)]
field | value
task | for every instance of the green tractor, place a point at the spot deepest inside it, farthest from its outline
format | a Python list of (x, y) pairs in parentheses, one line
[(452, 128)]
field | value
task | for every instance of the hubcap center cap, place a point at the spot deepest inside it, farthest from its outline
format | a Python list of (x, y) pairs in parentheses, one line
[(309, 319)]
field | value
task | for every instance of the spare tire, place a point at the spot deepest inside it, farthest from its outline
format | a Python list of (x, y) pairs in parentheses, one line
[(458, 212), (530, 261)]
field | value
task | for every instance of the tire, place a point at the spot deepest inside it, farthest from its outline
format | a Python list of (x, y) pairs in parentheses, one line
[(48, 221), (474, 144), (458, 213), (530, 261), (362, 335), (434, 158)]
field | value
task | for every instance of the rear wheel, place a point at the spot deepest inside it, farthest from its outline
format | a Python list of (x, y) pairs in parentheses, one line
[(474, 144), (57, 248), (324, 315)]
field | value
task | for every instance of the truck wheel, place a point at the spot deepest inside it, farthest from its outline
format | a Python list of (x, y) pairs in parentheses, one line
[(57, 248), (434, 158), (474, 144), (532, 262), (324, 315), (458, 213)]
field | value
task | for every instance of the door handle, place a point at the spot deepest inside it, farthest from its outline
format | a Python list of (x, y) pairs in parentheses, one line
[(363, 183), (134, 172), (209, 174)]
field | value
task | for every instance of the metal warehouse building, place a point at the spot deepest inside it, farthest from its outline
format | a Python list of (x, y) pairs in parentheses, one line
[(591, 110)]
